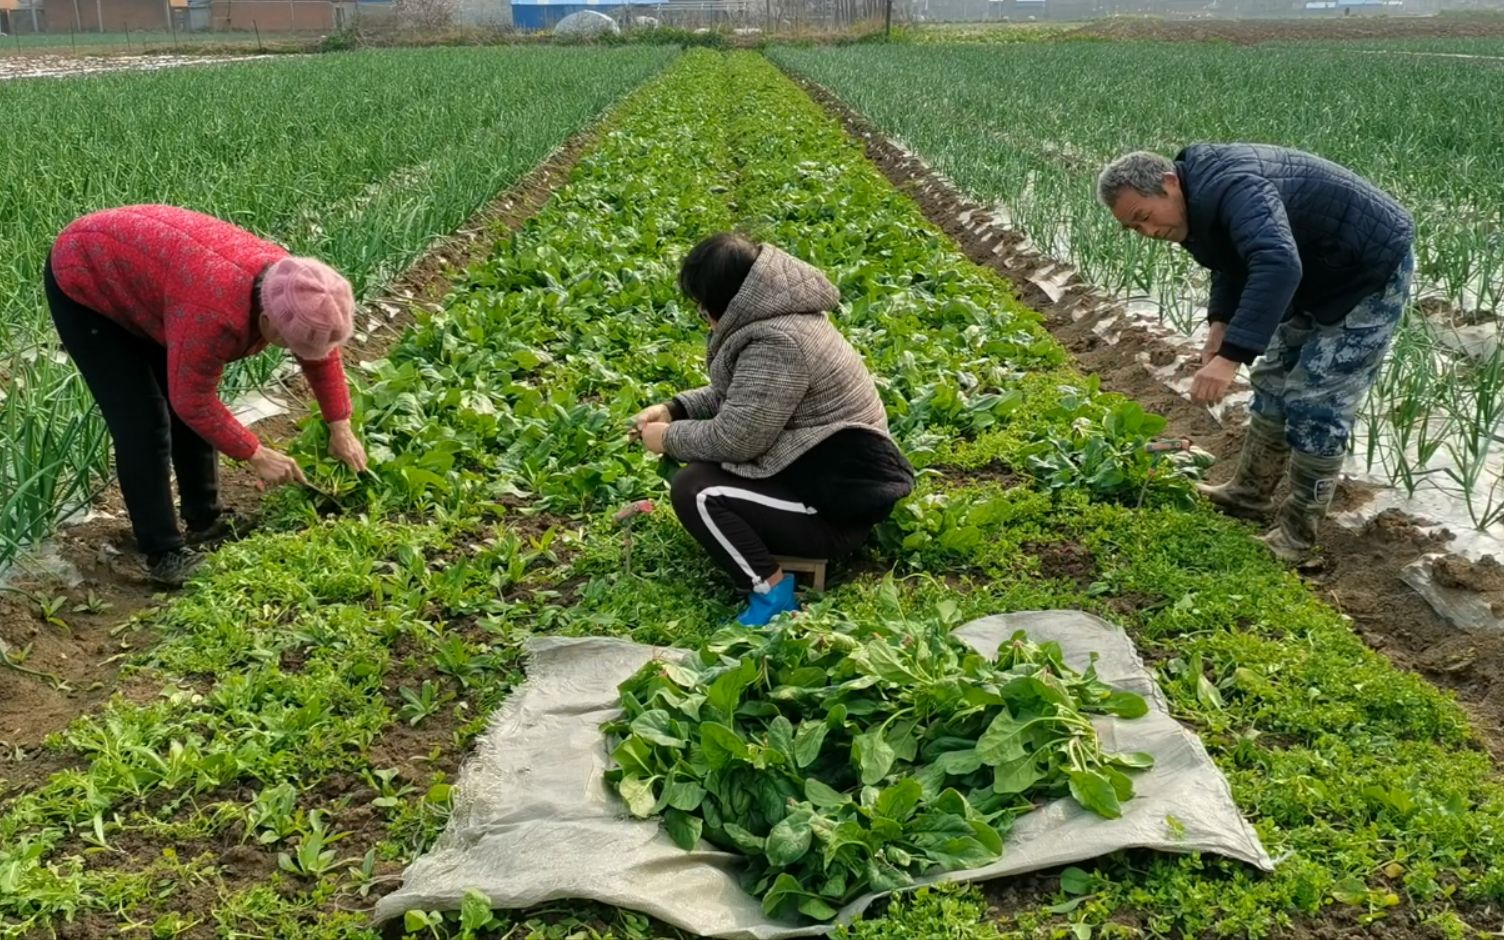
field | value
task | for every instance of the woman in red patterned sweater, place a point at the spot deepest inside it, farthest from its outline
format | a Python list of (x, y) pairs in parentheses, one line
[(152, 302)]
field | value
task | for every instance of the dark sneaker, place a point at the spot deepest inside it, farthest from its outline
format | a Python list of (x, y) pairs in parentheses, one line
[(172, 569), (226, 527)]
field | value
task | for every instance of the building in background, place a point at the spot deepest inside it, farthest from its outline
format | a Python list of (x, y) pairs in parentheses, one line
[(280, 16), (19, 17), (270, 17), (496, 14), (22, 16), (167, 16)]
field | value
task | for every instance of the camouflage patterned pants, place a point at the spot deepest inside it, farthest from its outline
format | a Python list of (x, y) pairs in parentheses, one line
[(1313, 377)]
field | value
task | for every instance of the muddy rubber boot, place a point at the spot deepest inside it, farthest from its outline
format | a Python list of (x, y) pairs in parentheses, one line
[(1261, 466), (1313, 482)]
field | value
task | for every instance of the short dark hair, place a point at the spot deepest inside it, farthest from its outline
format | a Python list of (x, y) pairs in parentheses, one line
[(715, 269), (1141, 171)]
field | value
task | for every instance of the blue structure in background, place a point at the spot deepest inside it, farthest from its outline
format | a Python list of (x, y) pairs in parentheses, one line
[(542, 14)]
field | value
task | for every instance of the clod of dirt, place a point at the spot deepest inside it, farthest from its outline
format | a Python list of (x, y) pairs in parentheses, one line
[(1396, 526), (1446, 313), (1485, 575)]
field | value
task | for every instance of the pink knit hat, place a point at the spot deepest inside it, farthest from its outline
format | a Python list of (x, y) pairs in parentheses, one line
[(310, 304)]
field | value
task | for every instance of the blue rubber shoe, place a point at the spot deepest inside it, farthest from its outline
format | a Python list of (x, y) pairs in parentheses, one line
[(764, 607)]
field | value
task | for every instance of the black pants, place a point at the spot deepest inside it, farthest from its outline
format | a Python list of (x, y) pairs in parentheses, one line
[(743, 523), (127, 374)]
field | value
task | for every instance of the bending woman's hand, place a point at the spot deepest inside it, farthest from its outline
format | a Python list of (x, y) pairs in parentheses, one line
[(345, 447), (276, 468)]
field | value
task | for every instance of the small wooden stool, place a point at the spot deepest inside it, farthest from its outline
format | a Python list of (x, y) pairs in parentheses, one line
[(814, 567)]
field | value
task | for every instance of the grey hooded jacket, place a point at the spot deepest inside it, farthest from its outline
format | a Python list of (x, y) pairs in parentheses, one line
[(782, 378)]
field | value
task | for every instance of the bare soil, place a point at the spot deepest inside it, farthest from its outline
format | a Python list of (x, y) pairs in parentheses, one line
[(1064, 561)]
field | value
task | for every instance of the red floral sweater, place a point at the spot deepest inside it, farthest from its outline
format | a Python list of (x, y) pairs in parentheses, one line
[(184, 280)]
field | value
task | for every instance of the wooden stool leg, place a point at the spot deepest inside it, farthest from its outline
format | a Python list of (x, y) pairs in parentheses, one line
[(814, 567)]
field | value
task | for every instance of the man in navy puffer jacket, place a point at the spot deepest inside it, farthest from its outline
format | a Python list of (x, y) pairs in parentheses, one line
[(1310, 269)]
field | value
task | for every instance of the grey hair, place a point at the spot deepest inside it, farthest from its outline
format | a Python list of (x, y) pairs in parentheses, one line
[(1141, 171)]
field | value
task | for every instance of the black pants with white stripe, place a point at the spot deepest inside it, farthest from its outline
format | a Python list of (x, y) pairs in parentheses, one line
[(743, 523)]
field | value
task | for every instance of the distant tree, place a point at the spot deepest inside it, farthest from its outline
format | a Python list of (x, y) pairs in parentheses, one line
[(426, 15)]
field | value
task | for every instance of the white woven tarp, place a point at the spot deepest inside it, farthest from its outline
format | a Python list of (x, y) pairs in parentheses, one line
[(534, 821), (586, 24)]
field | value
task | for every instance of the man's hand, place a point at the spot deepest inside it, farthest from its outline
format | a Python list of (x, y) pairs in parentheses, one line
[(345, 447), (652, 436), (1211, 382), (1214, 338), (653, 414), (276, 468)]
